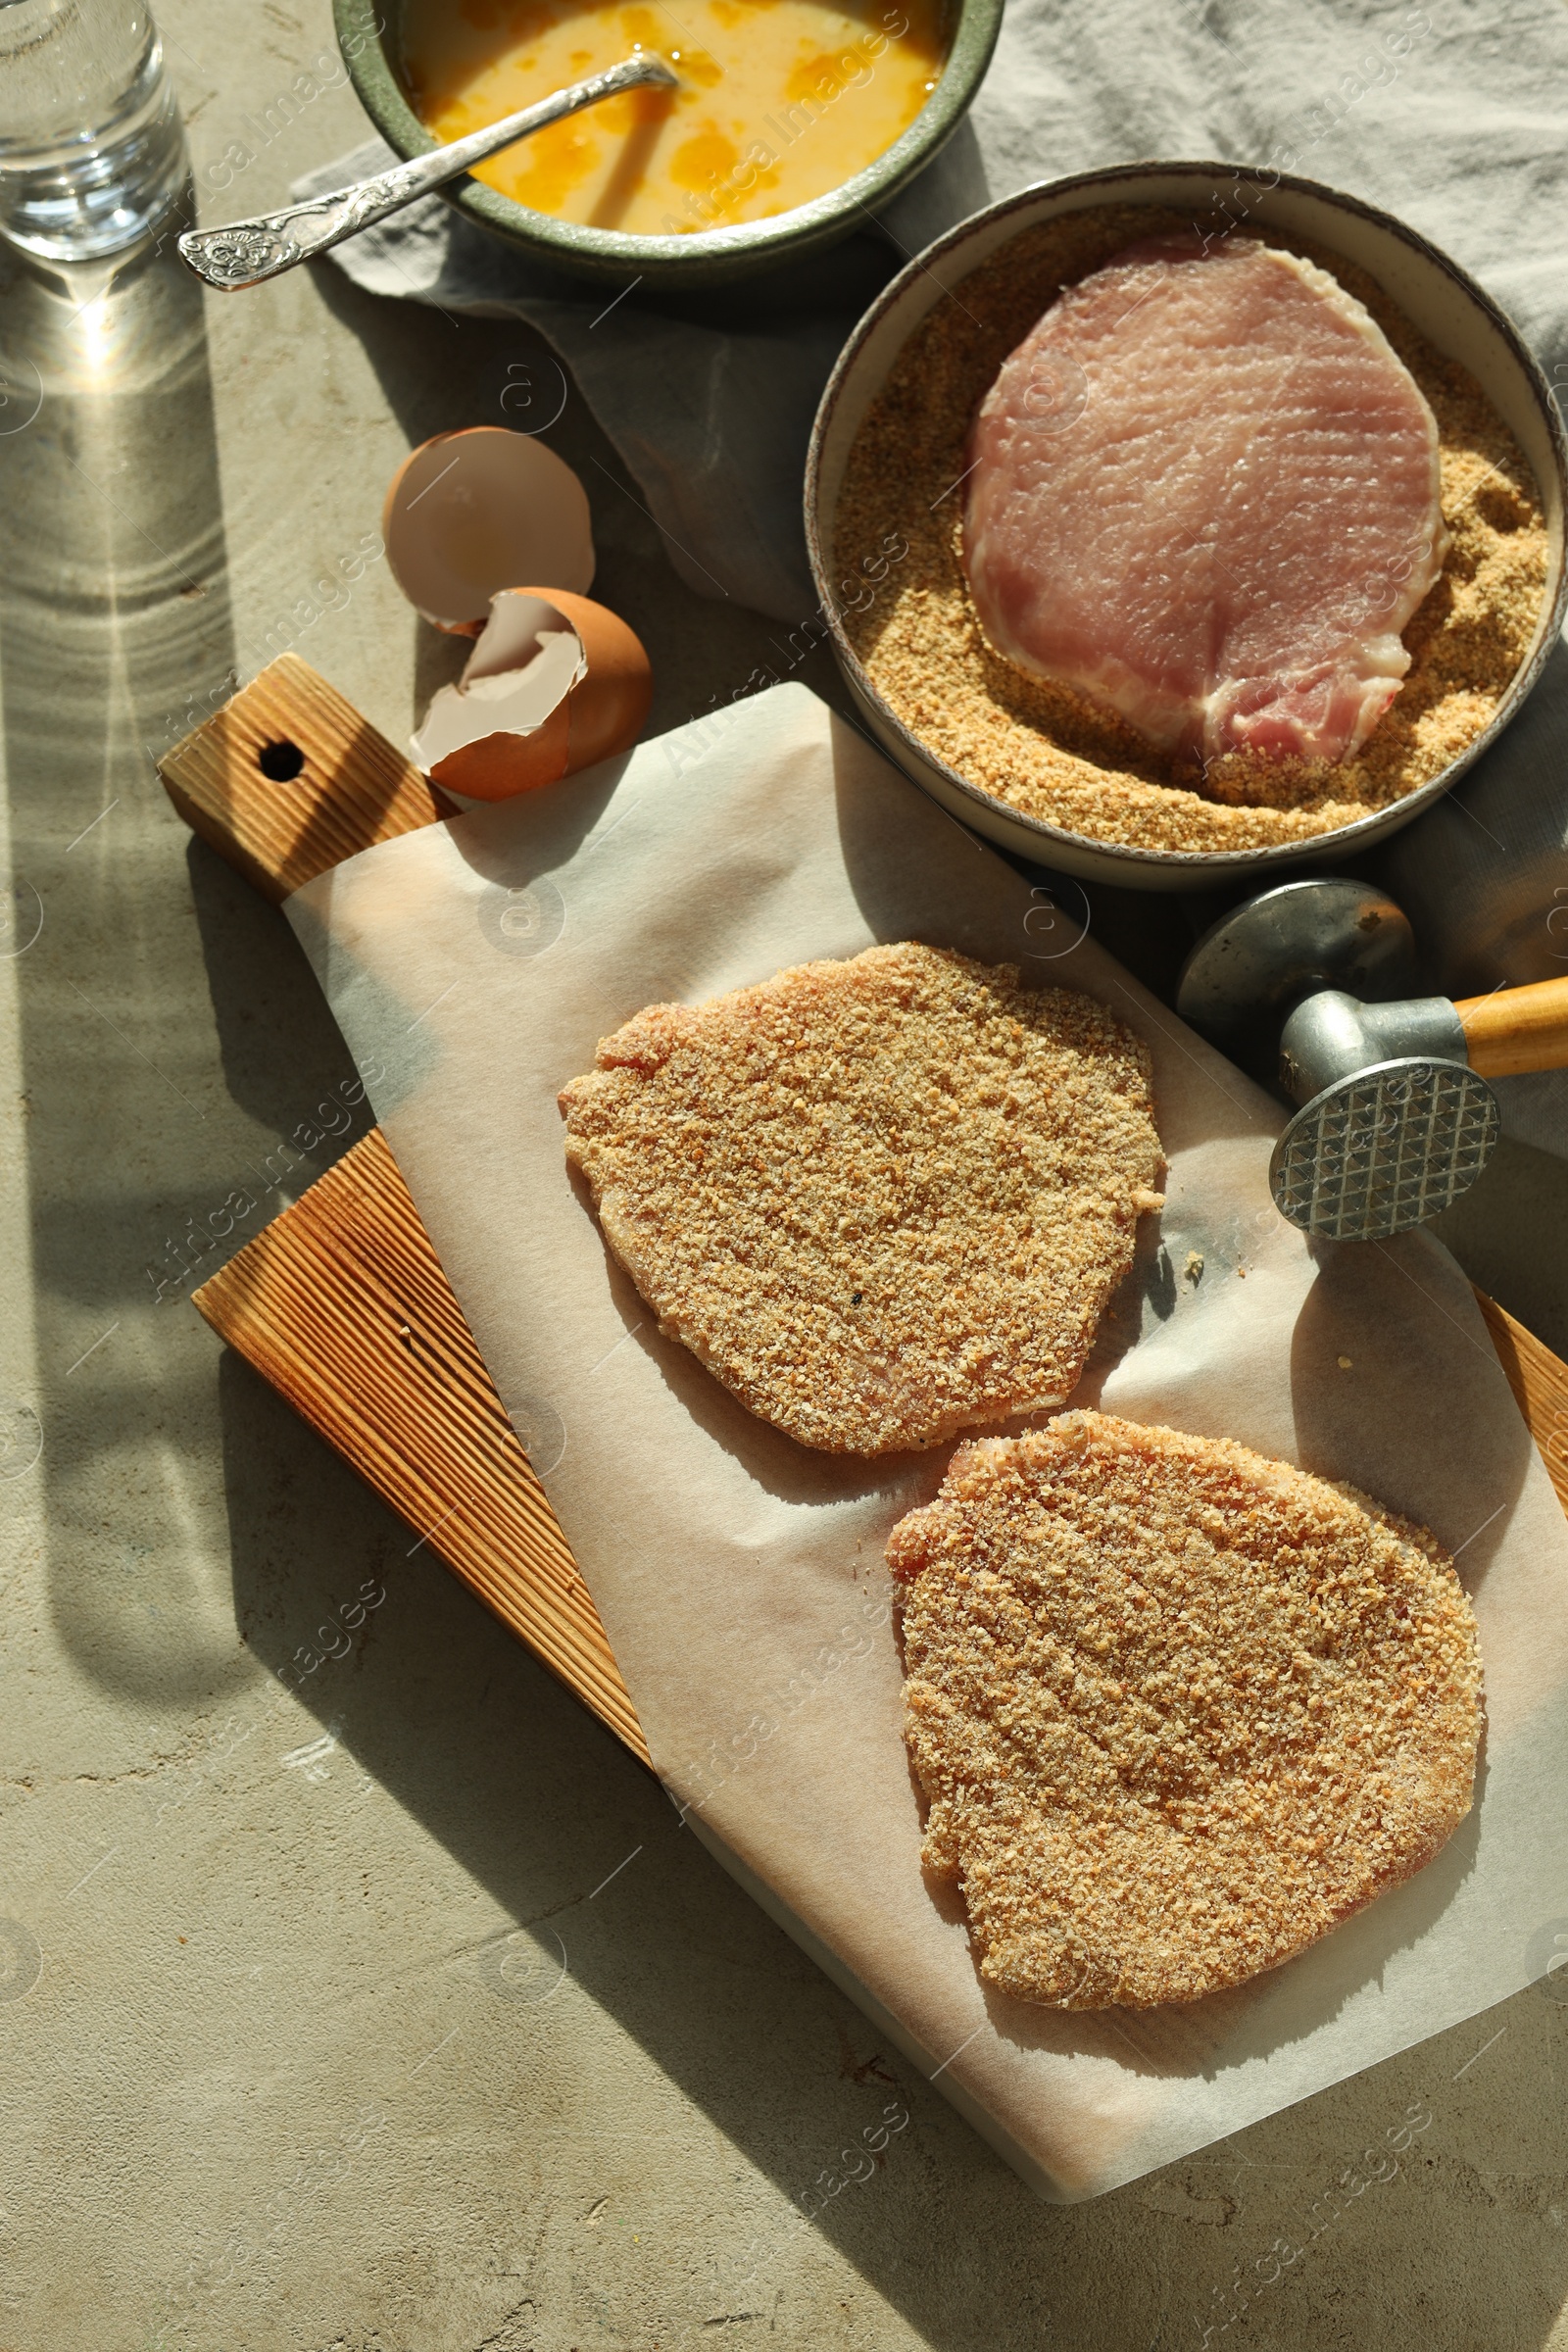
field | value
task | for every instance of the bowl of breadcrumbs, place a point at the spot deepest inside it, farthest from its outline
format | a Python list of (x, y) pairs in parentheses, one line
[(1040, 767)]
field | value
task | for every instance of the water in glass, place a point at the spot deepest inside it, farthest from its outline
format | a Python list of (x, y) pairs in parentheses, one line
[(92, 150)]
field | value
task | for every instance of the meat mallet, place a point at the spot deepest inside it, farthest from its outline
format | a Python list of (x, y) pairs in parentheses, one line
[(1396, 1118)]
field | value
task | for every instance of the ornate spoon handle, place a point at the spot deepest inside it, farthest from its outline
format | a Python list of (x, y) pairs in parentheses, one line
[(247, 251)]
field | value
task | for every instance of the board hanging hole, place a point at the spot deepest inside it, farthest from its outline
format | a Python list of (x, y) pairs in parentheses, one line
[(280, 762)]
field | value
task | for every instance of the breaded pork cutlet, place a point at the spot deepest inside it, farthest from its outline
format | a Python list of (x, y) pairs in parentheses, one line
[(881, 1200), (1178, 1709)]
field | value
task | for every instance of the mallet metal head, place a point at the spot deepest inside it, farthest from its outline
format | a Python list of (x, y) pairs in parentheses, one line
[(1252, 968), (1383, 1148), (1395, 1124)]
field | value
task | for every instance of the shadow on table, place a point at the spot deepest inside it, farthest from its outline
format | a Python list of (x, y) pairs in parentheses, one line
[(114, 637), (579, 1848), (117, 638)]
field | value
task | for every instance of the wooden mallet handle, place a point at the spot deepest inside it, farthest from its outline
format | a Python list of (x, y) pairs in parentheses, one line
[(1517, 1029)]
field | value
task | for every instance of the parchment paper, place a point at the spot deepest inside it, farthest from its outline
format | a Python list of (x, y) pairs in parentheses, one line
[(474, 965)]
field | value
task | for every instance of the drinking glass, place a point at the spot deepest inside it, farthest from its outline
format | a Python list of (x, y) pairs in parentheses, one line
[(92, 149)]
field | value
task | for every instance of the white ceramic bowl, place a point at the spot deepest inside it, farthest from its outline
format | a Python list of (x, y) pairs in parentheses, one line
[(1437, 297)]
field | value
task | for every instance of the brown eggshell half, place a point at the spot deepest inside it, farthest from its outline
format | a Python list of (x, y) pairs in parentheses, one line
[(497, 768), (555, 683), (610, 707), (470, 513)]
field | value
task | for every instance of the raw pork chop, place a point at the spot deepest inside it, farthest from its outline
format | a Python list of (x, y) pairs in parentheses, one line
[(1205, 491)]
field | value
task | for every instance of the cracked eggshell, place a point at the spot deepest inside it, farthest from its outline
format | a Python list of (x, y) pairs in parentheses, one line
[(470, 513), (555, 683)]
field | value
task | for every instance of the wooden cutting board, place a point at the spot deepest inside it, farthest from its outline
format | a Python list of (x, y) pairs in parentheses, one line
[(341, 1302)]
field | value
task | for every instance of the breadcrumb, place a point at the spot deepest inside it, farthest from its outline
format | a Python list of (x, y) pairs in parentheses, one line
[(1178, 1709), (882, 1199)]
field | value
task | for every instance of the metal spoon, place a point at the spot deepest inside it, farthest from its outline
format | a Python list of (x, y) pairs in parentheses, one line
[(247, 251)]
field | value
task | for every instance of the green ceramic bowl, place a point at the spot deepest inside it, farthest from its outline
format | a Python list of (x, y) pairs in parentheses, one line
[(368, 32)]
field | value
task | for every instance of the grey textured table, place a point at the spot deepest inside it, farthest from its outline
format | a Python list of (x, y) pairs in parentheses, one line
[(401, 2015)]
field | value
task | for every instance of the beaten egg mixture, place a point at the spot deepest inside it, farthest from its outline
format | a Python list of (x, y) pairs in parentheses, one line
[(780, 100)]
